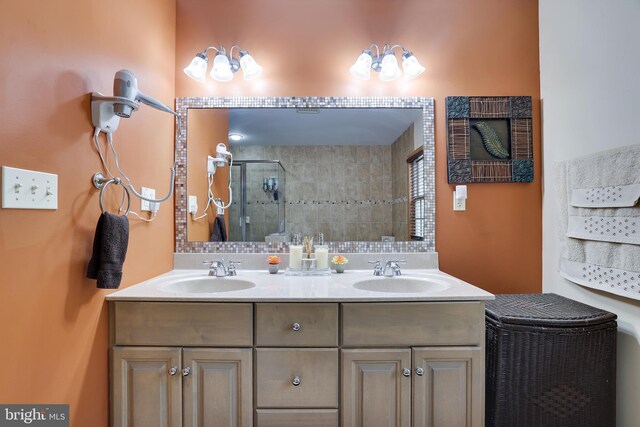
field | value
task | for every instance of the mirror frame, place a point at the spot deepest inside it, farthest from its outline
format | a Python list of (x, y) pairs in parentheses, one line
[(183, 105)]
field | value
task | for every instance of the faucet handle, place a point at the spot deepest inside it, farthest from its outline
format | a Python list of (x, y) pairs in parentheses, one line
[(231, 270), (209, 263), (377, 268)]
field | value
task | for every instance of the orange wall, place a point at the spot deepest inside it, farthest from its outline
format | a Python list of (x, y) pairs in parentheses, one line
[(470, 47), (206, 128), (52, 54)]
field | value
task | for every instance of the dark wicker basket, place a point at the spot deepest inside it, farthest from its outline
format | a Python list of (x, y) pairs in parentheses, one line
[(551, 362)]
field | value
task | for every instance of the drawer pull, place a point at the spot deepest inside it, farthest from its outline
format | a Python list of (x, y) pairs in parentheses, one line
[(406, 372), (296, 327), (173, 371), (186, 371), (419, 372), (296, 381)]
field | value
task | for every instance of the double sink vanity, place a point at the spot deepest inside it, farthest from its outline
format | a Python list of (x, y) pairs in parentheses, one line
[(352, 349), (269, 350)]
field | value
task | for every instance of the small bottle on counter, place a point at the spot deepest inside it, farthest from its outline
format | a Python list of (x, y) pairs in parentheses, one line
[(322, 253), (295, 252)]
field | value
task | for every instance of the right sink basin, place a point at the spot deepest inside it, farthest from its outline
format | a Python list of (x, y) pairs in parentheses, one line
[(402, 284)]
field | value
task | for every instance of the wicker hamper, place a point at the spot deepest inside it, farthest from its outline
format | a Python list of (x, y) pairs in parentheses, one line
[(551, 362)]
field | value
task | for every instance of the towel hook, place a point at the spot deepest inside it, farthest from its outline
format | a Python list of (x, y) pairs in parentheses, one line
[(101, 183)]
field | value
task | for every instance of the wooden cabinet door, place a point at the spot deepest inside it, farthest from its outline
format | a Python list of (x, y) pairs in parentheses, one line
[(375, 391), (218, 387), (145, 389), (444, 381)]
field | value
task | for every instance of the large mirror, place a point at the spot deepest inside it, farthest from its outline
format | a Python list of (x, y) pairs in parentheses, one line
[(357, 172)]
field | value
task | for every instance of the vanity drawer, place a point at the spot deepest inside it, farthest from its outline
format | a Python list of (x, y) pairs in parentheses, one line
[(297, 325), (412, 324), (182, 324), (277, 370), (297, 417)]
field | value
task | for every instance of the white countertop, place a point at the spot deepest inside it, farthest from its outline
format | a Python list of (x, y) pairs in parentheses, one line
[(281, 288)]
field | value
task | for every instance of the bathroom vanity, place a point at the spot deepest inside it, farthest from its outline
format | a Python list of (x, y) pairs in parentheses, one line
[(343, 350)]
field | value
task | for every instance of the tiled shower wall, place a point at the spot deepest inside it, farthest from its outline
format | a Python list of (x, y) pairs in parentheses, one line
[(400, 149), (347, 192)]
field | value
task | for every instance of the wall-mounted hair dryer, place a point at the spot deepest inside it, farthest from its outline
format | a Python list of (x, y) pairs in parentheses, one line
[(107, 110)]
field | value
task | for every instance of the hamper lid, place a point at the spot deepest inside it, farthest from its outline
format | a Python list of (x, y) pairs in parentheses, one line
[(545, 310)]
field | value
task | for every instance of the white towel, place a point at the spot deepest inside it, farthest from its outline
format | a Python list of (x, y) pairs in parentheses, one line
[(607, 259)]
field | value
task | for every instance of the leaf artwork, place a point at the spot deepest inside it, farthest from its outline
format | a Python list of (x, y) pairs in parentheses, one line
[(491, 140)]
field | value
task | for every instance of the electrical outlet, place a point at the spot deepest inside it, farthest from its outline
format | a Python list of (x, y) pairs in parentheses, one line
[(193, 204), (149, 193), (459, 204), (247, 220)]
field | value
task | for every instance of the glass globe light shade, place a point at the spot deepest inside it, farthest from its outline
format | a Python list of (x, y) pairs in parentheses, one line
[(197, 69), (221, 70), (390, 69), (361, 69)]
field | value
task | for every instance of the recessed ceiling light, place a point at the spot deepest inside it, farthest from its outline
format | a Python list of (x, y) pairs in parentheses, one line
[(235, 137)]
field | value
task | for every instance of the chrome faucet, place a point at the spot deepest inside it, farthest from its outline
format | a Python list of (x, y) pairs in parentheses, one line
[(216, 268), (392, 268)]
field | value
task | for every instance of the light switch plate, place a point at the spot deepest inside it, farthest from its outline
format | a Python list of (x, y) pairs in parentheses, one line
[(26, 189)]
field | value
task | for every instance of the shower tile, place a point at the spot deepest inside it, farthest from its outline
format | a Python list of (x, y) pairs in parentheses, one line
[(377, 213), (337, 213), (324, 212), (350, 171), (350, 191), (310, 213), (351, 213), (364, 213), (337, 191), (377, 156), (337, 173), (337, 231), (364, 231), (364, 190), (363, 172), (363, 154), (351, 231), (324, 190), (350, 153), (338, 154)]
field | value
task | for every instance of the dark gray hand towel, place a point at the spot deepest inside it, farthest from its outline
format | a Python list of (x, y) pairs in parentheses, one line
[(109, 250), (219, 232)]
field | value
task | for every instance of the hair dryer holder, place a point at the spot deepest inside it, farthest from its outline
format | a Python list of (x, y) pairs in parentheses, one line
[(103, 115)]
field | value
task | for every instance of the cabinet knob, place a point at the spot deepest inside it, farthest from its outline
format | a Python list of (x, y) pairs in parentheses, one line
[(173, 371), (406, 372), (296, 381), (419, 371), (296, 327), (186, 371)]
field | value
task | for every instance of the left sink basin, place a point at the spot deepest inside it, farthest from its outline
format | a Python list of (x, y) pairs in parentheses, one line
[(206, 285)]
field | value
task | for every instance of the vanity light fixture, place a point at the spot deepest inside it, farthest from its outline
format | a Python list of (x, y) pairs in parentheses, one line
[(223, 66), (386, 64)]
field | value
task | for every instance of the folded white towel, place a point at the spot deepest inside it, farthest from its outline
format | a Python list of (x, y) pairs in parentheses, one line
[(594, 253)]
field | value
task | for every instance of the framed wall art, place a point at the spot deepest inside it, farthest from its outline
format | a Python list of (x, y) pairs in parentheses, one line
[(489, 139)]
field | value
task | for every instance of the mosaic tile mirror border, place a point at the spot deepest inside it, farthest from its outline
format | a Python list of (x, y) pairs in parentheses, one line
[(184, 104), (517, 163)]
